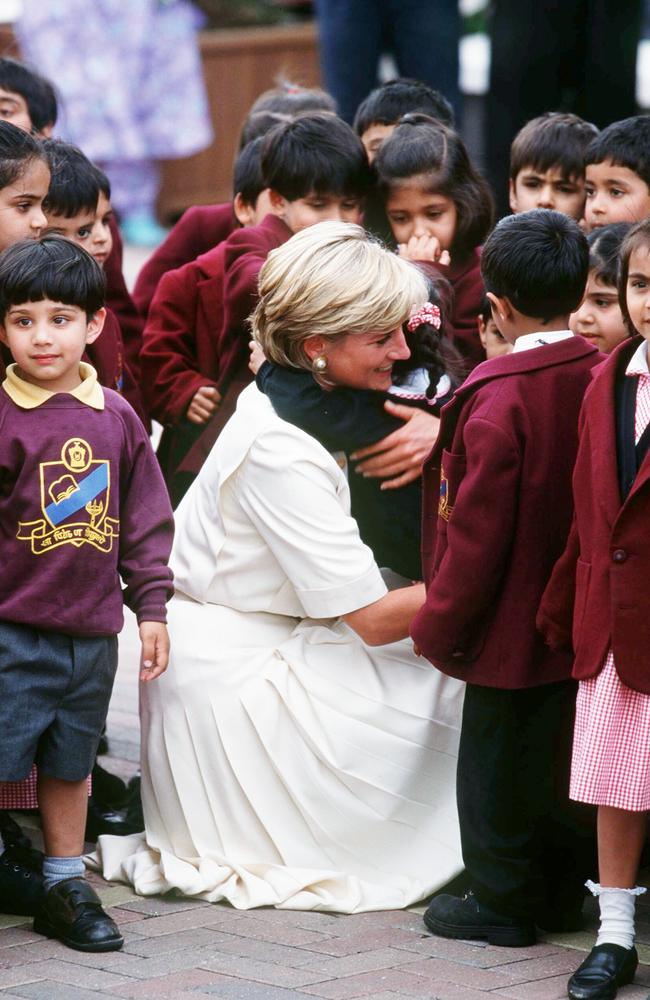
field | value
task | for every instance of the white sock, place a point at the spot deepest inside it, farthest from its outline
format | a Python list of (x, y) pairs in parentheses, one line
[(616, 914)]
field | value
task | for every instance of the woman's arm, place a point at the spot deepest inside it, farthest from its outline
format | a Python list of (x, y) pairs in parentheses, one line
[(389, 618)]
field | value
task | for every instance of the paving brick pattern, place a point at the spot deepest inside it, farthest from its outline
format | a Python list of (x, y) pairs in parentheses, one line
[(184, 949)]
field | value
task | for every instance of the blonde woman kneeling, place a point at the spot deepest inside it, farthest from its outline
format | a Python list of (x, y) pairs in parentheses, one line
[(296, 753)]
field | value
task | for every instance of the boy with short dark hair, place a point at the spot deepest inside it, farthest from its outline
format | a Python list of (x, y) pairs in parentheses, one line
[(315, 169), (27, 99), (497, 509), (79, 511), (547, 164), (380, 112), (618, 173)]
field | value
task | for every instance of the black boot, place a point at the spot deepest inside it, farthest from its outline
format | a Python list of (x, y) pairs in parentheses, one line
[(470, 920), (606, 967)]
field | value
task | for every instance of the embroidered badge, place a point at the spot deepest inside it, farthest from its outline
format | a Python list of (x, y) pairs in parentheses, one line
[(444, 507), (74, 500)]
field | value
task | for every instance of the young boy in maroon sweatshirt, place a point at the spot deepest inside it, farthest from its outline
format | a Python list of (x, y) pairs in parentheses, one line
[(82, 504), (497, 511)]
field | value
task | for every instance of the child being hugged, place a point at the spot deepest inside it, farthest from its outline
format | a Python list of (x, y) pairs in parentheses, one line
[(440, 210), (598, 595), (417, 367), (599, 318), (497, 509), (78, 511)]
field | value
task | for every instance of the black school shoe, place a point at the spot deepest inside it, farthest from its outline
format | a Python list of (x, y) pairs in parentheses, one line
[(466, 918), (72, 912), (606, 967), (21, 881)]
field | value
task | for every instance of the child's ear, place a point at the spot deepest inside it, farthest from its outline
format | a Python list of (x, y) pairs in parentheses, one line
[(501, 306), (243, 210), (3, 335), (95, 325), (512, 197), (278, 203), (482, 331)]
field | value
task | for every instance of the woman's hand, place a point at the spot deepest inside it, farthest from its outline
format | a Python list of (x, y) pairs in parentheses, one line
[(388, 619), (401, 454), (257, 358), (204, 403), (424, 248)]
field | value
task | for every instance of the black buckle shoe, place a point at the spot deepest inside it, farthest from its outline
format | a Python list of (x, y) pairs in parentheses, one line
[(72, 912), (21, 881), (606, 967), (466, 918)]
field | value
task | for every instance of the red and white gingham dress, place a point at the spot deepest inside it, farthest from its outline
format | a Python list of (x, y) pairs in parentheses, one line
[(611, 744), (19, 794)]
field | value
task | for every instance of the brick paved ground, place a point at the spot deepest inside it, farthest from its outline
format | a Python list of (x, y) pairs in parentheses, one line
[(178, 948)]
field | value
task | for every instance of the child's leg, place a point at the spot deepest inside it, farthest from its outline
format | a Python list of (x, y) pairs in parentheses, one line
[(621, 835), (63, 806)]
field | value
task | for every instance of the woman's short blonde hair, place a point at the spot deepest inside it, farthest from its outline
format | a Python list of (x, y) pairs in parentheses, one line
[(330, 280)]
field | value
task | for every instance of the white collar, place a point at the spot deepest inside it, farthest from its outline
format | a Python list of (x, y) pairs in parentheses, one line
[(638, 364), (530, 340)]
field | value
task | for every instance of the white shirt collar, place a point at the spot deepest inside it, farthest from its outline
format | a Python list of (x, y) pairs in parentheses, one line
[(530, 340), (638, 363)]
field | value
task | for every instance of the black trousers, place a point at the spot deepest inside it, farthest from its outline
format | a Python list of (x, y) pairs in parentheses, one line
[(526, 846)]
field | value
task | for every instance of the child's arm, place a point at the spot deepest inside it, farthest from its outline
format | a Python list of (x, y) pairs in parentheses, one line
[(146, 530), (171, 376), (481, 511), (342, 419)]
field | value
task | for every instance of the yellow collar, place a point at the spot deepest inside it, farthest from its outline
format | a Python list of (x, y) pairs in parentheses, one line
[(29, 396)]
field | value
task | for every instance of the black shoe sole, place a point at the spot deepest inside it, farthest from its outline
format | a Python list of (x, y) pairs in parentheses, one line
[(504, 937), (42, 927)]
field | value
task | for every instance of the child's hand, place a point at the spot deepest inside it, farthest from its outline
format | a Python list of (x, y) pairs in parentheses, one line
[(204, 403), (257, 358), (155, 650), (424, 248)]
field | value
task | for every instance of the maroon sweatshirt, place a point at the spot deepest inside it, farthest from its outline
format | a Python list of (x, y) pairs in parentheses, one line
[(82, 502)]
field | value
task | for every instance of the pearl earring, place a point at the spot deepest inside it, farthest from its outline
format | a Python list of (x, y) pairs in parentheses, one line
[(319, 364)]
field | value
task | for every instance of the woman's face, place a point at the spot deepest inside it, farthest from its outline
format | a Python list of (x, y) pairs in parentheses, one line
[(364, 360)]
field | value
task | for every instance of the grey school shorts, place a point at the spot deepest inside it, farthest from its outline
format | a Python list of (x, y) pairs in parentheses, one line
[(54, 695)]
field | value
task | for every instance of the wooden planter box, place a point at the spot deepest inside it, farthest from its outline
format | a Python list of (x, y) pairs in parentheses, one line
[(239, 63)]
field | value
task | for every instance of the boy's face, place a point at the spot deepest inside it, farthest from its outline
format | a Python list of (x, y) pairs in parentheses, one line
[(614, 194), (373, 137), (599, 319), (88, 229), (21, 205), (13, 108), (314, 208), (413, 211), (550, 188), (494, 343), (637, 293), (47, 340)]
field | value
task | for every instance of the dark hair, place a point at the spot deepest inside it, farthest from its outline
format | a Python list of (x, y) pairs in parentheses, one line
[(50, 268), (74, 186), (433, 348), (388, 103), (420, 146), (539, 260), (259, 123), (626, 144), (17, 150), (555, 139), (291, 99), (103, 181), (604, 250), (638, 236), (247, 175), (485, 309), (316, 153), (38, 93)]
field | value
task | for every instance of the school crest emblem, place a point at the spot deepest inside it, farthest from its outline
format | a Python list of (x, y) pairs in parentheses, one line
[(75, 492), (444, 507)]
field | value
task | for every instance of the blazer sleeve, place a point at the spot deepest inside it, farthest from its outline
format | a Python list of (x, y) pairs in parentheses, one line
[(479, 533), (183, 244), (170, 367)]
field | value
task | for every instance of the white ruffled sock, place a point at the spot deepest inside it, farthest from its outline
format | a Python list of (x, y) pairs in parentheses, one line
[(616, 913)]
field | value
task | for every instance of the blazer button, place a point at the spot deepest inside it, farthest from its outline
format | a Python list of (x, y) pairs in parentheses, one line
[(619, 555)]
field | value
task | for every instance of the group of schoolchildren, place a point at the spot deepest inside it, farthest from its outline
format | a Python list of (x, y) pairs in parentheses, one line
[(527, 521)]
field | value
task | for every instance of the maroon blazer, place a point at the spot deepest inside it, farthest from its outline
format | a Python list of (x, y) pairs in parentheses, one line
[(197, 231), (244, 251), (118, 299), (466, 282), (107, 355), (599, 591), (497, 509)]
